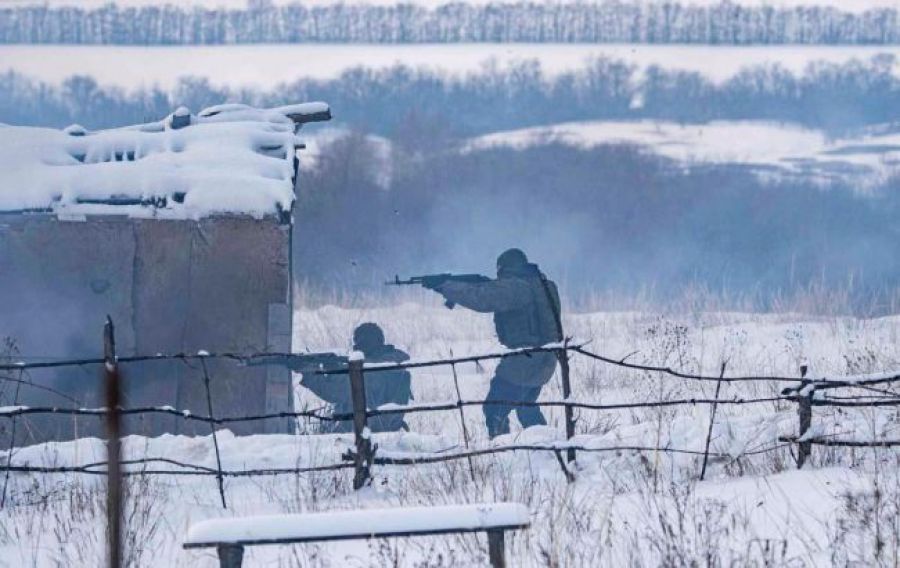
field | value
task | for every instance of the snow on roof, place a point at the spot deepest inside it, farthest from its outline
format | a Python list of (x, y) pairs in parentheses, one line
[(226, 159)]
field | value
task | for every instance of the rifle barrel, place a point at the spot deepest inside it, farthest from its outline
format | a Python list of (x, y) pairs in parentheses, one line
[(397, 282)]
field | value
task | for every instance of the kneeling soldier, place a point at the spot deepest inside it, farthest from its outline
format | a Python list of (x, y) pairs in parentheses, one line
[(382, 387)]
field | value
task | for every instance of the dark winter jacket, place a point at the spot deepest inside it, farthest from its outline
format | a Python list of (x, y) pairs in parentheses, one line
[(381, 388), (525, 306), (387, 387)]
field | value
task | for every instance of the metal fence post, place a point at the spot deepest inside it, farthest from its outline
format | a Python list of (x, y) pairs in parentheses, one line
[(563, 356), (230, 555), (113, 445), (496, 548), (362, 458), (220, 481), (712, 423), (462, 417), (804, 408)]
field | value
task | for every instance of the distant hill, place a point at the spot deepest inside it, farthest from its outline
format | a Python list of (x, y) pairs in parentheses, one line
[(742, 22)]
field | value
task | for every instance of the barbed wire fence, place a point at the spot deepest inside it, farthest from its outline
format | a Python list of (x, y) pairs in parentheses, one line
[(805, 392)]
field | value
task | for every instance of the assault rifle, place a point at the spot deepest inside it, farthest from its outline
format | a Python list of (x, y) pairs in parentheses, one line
[(432, 281), (330, 388)]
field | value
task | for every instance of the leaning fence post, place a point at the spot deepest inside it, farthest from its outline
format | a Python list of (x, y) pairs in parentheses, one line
[(712, 422), (563, 356), (220, 482), (462, 417), (804, 407), (113, 445), (362, 459)]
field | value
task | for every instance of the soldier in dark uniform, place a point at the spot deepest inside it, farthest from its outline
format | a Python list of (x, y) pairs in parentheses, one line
[(381, 387), (526, 308), (386, 386)]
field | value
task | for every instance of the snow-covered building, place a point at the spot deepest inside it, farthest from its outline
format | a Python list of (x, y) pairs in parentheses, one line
[(180, 230)]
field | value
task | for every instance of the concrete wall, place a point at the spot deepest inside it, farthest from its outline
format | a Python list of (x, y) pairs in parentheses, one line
[(170, 286)]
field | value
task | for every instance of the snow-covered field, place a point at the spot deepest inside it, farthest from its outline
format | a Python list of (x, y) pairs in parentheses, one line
[(623, 509), (772, 149), (266, 66)]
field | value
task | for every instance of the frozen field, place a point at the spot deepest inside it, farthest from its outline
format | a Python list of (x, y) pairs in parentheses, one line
[(770, 148), (265, 66), (623, 509)]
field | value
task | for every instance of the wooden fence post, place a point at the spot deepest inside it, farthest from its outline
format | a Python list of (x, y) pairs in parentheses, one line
[(12, 442), (496, 548), (804, 407), (113, 446), (563, 356), (362, 458)]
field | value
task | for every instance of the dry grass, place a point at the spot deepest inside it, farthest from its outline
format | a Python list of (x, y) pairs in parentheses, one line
[(623, 509)]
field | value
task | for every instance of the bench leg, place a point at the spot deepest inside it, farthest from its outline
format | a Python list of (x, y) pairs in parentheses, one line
[(496, 547), (230, 555)]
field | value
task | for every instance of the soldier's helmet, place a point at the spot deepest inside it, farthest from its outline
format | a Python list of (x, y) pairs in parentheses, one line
[(512, 261), (367, 336)]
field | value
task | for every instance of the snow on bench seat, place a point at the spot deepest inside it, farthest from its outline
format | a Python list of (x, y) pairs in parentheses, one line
[(362, 524)]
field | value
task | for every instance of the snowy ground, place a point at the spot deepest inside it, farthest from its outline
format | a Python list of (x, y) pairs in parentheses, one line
[(266, 66), (772, 150), (769, 148), (623, 508)]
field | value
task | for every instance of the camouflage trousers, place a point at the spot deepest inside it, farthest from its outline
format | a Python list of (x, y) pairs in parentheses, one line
[(518, 379)]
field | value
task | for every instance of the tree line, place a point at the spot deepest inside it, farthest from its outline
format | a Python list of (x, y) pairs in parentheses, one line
[(608, 219), (831, 96), (611, 21), (611, 221)]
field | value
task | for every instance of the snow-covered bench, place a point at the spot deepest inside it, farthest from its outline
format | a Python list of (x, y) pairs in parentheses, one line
[(230, 536)]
